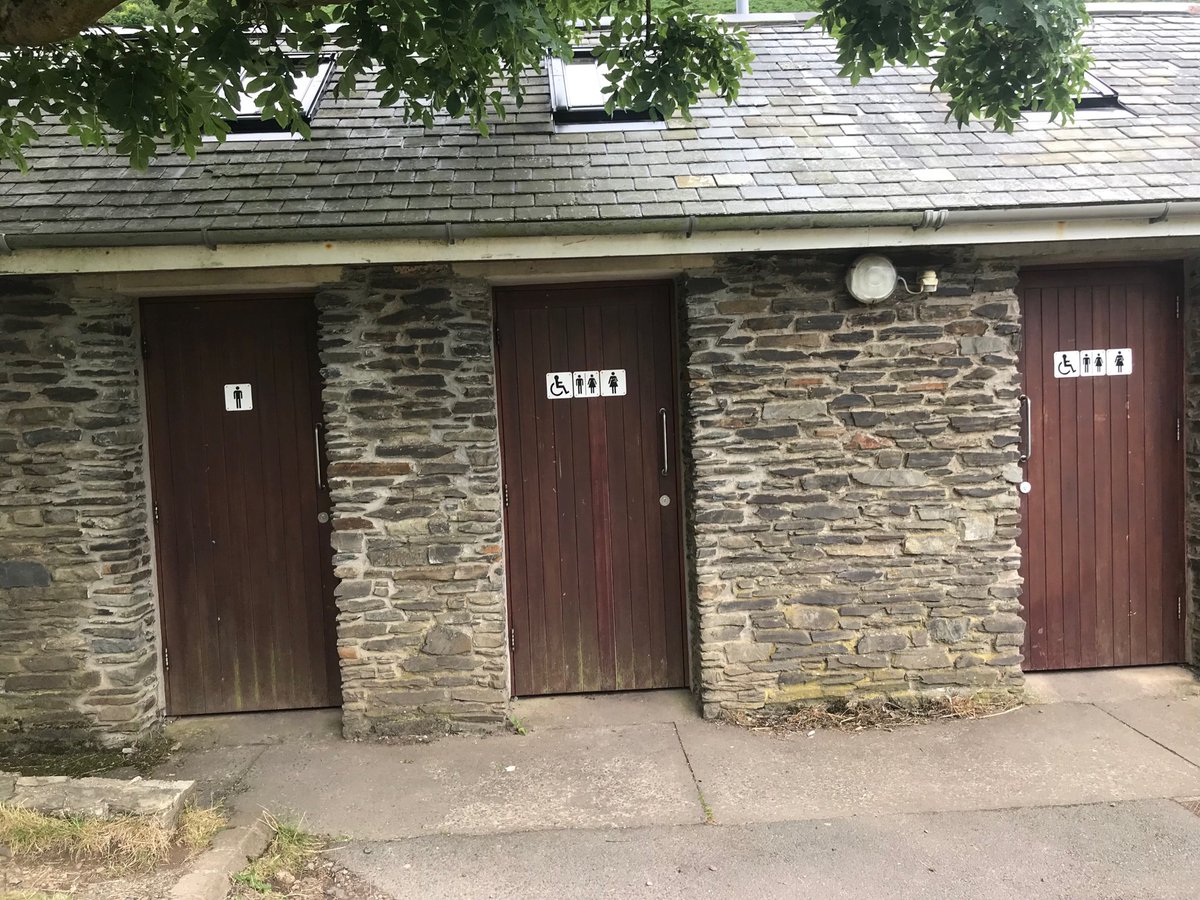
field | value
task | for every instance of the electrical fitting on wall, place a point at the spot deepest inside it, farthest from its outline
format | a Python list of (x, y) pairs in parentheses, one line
[(872, 279)]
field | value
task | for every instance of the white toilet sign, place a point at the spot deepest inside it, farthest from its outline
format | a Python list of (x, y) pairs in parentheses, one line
[(612, 382), (239, 397), (1097, 363), (585, 383)]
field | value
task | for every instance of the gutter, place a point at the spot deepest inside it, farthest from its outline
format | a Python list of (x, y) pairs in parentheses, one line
[(40, 253)]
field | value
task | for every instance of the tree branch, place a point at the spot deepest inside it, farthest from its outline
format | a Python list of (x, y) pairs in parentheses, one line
[(35, 23)]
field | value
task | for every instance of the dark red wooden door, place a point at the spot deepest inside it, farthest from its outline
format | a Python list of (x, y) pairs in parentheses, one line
[(1103, 522), (244, 560), (591, 489)]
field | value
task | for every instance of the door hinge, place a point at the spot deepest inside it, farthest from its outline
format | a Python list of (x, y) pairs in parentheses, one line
[(496, 334), (166, 658), (1178, 428), (155, 512), (1179, 607), (145, 349), (506, 495), (1178, 307), (512, 640)]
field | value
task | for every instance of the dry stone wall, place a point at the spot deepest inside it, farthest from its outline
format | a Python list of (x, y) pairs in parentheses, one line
[(410, 414), (852, 506), (852, 488), (77, 624)]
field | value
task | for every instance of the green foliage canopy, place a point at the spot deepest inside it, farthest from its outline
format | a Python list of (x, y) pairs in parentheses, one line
[(178, 76)]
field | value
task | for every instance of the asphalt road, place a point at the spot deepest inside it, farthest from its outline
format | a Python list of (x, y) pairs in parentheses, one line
[(1131, 849)]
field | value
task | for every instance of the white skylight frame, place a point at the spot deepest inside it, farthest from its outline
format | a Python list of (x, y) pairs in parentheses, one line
[(577, 97), (308, 94), (578, 84)]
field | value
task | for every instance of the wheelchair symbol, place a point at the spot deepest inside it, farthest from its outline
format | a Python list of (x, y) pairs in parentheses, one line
[(1066, 363), (558, 386)]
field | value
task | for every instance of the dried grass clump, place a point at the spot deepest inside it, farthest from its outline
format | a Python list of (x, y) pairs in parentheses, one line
[(290, 850), (130, 843), (198, 825), (860, 715)]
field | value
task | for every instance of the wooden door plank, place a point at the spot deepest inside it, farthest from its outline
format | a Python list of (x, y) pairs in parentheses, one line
[(639, 464), (533, 637), (671, 650), (548, 356), (1122, 497), (1136, 468), (1099, 562), (511, 453), (1175, 477), (589, 669), (1057, 443), (1083, 612), (651, 327), (569, 675), (1159, 417), (1031, 363)]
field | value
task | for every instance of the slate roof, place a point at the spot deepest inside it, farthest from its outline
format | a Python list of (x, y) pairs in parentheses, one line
[(800, 140)]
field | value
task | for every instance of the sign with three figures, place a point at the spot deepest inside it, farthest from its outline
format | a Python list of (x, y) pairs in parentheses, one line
[(1092, 363), (585, 384)]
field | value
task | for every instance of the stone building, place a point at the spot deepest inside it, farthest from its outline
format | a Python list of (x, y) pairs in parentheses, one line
[(411, 421)]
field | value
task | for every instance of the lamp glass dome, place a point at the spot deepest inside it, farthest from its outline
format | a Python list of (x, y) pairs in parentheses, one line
[(871, 278)]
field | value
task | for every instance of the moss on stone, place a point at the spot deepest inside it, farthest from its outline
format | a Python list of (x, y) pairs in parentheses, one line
[(83, 758)]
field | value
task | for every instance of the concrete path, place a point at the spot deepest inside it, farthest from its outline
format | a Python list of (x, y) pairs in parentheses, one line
[(605, 794), (1142, 849)]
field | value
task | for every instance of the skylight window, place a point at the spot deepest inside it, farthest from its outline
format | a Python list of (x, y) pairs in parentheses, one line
[(1095, 95), (308, 93), (577, 92)]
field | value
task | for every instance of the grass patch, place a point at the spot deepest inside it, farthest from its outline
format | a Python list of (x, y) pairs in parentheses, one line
[(129, 843), (290, 850), (82, 760), (198, 825), (860, 715)]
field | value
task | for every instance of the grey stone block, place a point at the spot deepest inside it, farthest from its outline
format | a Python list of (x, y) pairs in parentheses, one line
[(102, 798)]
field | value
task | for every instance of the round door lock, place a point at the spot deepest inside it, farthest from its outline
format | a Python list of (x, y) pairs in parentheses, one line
[(1025, 487), (323, 517), (664, 500)]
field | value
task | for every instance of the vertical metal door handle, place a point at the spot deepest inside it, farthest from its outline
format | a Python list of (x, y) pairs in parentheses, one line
[(1027, 407), (662, 415), (317, 449)]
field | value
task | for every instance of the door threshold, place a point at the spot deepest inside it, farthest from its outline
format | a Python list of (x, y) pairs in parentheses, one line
[(199, 732), (1119, 685), (651, 707)]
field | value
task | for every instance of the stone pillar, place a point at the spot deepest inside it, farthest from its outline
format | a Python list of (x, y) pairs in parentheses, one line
[(1191, 313), (78, 635), (410, 414), (852, 487)]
